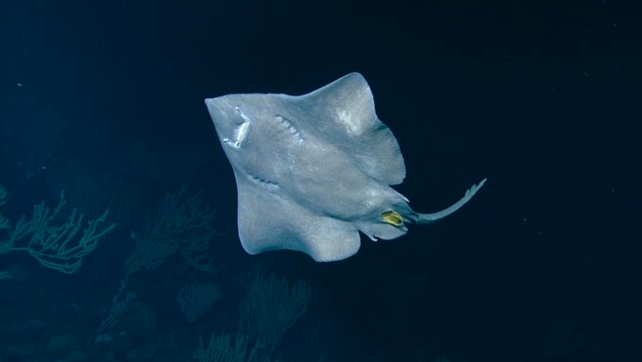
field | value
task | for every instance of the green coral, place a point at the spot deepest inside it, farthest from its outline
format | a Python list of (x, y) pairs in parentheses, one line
[(58, 246)]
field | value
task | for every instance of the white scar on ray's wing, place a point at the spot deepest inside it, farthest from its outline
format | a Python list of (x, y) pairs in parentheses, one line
[(240, 132)]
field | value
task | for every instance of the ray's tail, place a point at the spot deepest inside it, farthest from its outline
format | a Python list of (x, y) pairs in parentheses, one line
[(418, 218)]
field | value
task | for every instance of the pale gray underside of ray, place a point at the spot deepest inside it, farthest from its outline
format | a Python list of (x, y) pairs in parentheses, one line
[(314, 170)]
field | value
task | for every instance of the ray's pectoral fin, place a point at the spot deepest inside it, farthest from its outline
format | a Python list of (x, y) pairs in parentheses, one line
[(268, 221), (392, 217)]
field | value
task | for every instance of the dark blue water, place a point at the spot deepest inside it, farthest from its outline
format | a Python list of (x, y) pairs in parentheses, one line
[(104, 99)]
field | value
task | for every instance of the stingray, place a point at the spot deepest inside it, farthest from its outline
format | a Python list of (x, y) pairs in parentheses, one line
[(313, 171)]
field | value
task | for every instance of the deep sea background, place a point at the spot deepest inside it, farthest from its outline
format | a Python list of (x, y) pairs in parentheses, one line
[(542, 98)]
